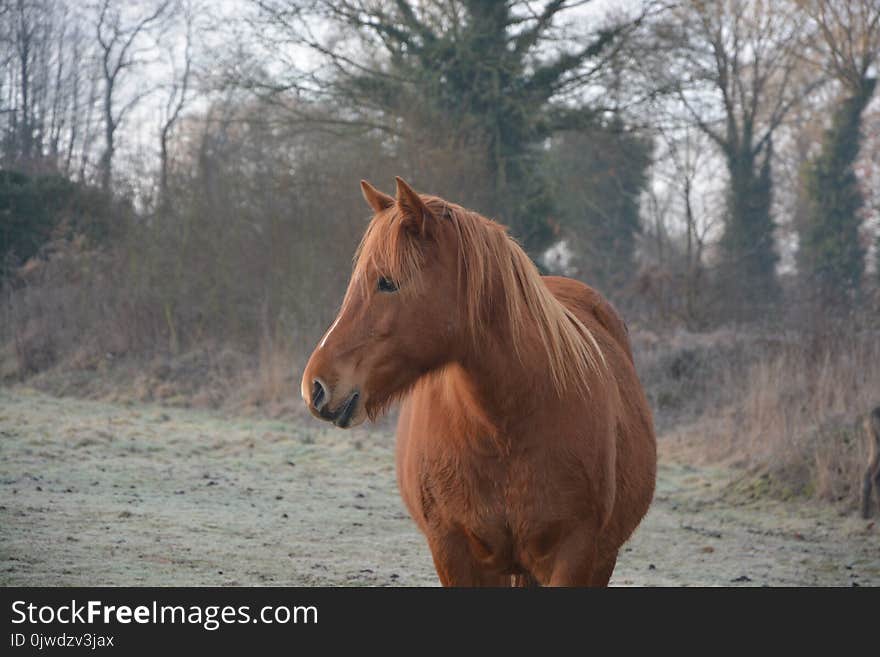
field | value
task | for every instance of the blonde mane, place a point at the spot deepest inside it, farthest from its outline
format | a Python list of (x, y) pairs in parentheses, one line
[(486, 251)]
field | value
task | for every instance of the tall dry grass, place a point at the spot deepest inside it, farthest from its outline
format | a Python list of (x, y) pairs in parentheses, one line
[(789, 411)]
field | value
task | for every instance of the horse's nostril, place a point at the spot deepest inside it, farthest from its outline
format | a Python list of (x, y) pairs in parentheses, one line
[(319, 394)]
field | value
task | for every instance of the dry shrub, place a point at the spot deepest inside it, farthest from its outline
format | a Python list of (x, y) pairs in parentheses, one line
[(275, 386), (802, 408), (72, 305), (250, 253), (840, 453), (791, 413), (684, 372), (35, 348)]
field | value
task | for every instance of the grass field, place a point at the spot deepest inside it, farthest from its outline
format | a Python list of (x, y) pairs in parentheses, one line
[(105, 494)]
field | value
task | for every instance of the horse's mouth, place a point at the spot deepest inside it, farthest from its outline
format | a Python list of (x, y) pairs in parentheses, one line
[(342, 416)]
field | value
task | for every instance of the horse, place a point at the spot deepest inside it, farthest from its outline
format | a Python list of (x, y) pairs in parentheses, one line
[(525, 444)]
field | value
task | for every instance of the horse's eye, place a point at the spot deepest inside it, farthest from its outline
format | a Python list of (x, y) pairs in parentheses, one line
[(386, 285)]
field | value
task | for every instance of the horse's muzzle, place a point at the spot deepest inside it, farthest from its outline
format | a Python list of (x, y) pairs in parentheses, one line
[(320, 407)]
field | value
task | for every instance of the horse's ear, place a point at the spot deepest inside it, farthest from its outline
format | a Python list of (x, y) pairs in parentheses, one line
[(414, 207), (375, 199)]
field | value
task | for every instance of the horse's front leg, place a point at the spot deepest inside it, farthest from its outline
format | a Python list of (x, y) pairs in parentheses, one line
[(576, 562), (456, 564)]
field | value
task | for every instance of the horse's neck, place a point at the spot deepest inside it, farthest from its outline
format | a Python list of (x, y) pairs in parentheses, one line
[(501, 384)]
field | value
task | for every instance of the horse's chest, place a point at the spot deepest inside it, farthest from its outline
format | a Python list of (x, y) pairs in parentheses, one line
[(499, 494), (461, 498), (488, 484), (498, 511)]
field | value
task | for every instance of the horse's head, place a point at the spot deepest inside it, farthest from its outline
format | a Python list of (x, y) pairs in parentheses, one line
[(399, 317)]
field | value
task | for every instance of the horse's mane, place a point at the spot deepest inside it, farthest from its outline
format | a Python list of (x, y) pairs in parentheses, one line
[(486, 248)]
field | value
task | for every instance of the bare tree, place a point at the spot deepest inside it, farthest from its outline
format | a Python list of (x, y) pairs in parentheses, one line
[(733, 66), (24, 33), (680, 210), (41, 59), (849, 39), (176, 99), (688, 156), (119, 39), (57, 116), (80, 71), (90, 126)]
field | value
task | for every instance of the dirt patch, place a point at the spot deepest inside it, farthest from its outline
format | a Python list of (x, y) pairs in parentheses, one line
[(95, 493)]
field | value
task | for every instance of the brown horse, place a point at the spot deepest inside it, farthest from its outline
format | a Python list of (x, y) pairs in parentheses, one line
[(525, 446)]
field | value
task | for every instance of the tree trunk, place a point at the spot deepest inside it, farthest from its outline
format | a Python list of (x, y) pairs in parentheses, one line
[(749, 267)]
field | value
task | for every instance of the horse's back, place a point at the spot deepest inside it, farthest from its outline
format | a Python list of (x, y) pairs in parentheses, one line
[(590, 306)]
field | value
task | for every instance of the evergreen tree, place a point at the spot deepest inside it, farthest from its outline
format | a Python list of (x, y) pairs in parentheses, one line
[(830, 255), (602, 172), (34, 209), (491, 71)]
